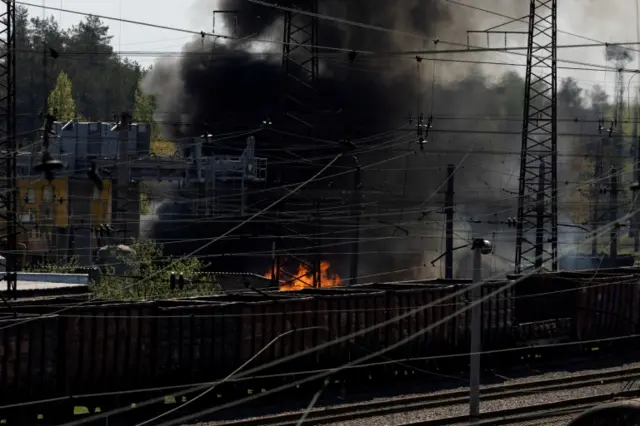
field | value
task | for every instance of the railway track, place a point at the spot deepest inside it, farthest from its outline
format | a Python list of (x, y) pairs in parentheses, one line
[(336, 414), (530, 413)]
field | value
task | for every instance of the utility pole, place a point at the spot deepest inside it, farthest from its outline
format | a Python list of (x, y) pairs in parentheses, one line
[(275, 253), (480, 247), (613, 216), (300, 65), (538, 262), (539, 142), (122, 183), (635, 220), (8, 183), (355, 212), (357, 177), (275, 265), (449, 205), (317, 261), (595, 194)]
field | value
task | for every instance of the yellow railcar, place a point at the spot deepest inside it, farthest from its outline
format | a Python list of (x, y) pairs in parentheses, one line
[(44, 203), (101, 204), (47, 203)]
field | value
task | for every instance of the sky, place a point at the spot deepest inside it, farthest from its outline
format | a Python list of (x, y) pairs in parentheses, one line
[(604, 20), (130, 37)]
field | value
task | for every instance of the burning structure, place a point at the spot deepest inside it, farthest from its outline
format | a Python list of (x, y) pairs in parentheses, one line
[(303, 277)]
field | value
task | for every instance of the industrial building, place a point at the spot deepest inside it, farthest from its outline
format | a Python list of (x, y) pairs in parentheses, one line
[(61, 217)]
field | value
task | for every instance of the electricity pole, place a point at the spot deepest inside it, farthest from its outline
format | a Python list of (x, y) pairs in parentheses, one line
[(540, 217), (355, 244), (275, 252), (480, 247), (595, 195), (357, 177), (613, 216), (635, 223), (300, 64), (122, 183), (317, 261), (539, 143), (8, 183), (635, 220), (449, 205)]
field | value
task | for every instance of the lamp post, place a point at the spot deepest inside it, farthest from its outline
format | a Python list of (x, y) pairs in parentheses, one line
[(480, 247)]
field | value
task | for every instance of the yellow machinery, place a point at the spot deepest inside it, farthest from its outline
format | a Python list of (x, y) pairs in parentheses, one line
[(101, 205), (44, 205)]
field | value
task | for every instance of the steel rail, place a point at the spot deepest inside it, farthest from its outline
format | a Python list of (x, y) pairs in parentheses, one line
[(449, 398), (533, 412)]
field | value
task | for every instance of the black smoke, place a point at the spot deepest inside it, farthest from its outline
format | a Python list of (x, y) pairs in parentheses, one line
[(234, 87)]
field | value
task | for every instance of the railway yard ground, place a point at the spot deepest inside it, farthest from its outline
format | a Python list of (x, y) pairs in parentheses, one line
[(546, 395)]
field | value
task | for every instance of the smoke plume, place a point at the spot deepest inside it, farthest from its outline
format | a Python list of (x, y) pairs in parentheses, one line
[(222, 86)]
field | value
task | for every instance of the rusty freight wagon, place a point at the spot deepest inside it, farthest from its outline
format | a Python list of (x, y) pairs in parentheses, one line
[(112, 346)]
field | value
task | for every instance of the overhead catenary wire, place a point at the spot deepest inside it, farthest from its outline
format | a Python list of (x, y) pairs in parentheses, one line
[(468, 49), (346, 338), (171, 388), (323, 373), (390, 225), (212, 241), (523, 20)]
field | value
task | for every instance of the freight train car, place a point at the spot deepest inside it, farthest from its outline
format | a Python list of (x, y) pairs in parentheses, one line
[(113, 346)]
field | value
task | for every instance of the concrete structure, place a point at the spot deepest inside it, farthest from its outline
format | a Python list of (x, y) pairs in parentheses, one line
[(32, 284), (68, 210)]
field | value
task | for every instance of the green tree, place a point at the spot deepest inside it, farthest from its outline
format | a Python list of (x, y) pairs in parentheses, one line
[(570, 95), (104, 82), (148, 276), (61, 103), (143, 112), (599, 100)]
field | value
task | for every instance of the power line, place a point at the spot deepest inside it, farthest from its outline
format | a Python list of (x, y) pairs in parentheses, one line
[(522, 20), (407, 314), (467, 49), (166, 27)]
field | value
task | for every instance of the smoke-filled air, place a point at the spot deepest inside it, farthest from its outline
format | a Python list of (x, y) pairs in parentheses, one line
[(471, 108)]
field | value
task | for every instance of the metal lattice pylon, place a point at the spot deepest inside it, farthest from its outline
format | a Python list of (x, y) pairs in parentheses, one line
[(300, 65), (537, 226), (300, 61), (8, 146)]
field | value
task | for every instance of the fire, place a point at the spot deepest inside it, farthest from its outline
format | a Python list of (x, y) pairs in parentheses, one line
[(303, 278)]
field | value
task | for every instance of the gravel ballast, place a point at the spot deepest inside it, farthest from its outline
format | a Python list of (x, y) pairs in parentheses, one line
[(495, 405), (507, 403)]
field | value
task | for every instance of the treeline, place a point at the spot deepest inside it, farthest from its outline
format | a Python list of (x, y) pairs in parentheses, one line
[(101, 83)]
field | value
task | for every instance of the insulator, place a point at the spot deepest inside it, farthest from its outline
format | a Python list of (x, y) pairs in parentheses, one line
[(181, 282), (48, 166), (95, 177), (172, 281)]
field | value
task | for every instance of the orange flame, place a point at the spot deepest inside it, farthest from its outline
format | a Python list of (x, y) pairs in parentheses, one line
[(303, 278)]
